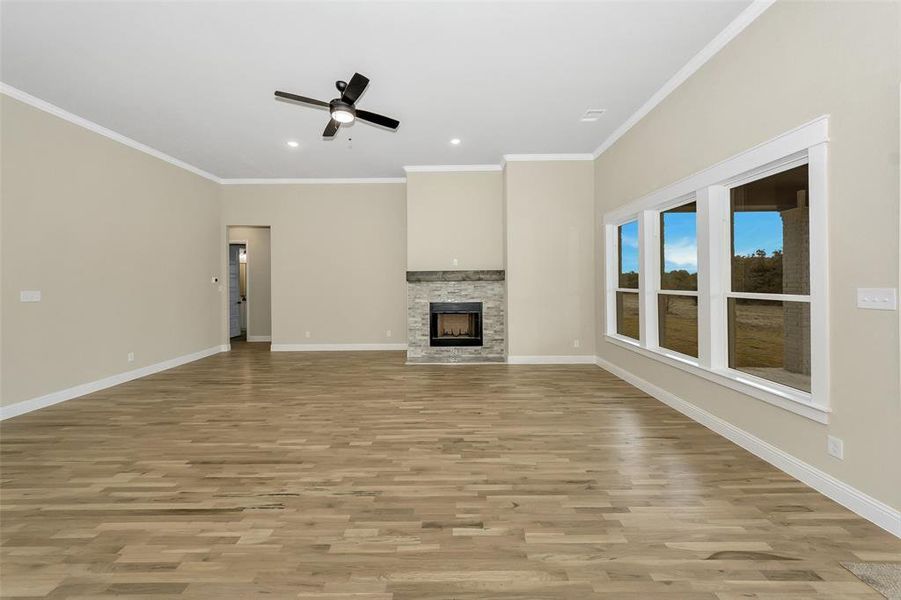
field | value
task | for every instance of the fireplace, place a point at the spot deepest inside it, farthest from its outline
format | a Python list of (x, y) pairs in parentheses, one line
[(455, 323)]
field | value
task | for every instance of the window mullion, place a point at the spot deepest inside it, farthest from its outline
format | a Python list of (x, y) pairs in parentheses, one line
[(648, 275), (713, 276)]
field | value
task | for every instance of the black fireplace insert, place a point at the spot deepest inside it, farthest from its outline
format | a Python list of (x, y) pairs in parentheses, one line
[(455, 323)]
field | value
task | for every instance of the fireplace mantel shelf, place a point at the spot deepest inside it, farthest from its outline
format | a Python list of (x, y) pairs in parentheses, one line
[(432, 276)]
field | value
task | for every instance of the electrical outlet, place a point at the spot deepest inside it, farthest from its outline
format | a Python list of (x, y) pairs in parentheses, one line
[(307, 334), (131, 357), (576, 343), (456, 262), (388, 333), (835, 447), (30, 296)]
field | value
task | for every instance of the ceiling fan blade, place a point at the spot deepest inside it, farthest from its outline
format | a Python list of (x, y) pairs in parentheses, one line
[(377, 119), (301, 99), (331, 129), (357, 86)]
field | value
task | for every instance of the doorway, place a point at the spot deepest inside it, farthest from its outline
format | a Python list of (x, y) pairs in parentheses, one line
[(249, 284), (237, 291)]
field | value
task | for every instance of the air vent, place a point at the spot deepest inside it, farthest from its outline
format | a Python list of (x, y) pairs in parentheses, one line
[(592, 114)]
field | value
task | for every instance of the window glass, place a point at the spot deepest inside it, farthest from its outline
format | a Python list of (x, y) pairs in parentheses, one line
[(771, 340), (678, 323), (628, 255), (770, 235), (627, 316), (679, 246)]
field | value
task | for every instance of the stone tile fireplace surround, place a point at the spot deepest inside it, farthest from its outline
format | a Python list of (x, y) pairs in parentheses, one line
[(427, 287)]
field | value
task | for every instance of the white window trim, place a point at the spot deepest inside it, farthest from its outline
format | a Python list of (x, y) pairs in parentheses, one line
[(806, 144)]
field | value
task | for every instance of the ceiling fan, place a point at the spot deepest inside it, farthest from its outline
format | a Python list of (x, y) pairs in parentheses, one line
[(342, 109)]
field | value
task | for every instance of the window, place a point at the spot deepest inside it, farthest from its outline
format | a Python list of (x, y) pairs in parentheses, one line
[(627, 312), (677, 300), (723, 274), (769, 316)]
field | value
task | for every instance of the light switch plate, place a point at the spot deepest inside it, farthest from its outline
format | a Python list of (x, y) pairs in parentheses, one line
[(835, 447), (877, 298), (30, 296)]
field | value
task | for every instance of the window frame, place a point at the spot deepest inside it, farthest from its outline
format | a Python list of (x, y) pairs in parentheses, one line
[(657, 241), (617, 288), (710, 189)]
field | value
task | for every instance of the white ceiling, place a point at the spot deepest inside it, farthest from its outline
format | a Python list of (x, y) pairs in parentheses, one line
[(195, 79)]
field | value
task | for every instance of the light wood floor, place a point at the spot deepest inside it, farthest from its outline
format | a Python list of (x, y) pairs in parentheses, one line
[(351, 476)]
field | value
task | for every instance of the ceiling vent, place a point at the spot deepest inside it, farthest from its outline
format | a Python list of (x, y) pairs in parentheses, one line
[(592, 114)]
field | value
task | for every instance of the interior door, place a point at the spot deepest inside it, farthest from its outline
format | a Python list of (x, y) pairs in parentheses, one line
[(234, 293)]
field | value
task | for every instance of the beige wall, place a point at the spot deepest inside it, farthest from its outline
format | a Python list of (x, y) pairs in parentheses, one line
[(799, 60), (337, 259), (455, 215), (259, 297), (122, 246), (550, 263)]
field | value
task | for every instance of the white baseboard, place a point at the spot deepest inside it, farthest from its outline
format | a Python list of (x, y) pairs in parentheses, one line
[(26, 406), (259, 338), (579, 359), (335, 347), (851, 498)]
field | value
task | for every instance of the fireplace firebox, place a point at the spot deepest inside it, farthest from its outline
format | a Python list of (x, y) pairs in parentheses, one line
[(455, 323)]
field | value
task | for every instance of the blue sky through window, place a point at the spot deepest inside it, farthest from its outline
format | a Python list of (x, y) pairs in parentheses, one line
[(753, 230), (629, 247), (757, 230), (680, 241)]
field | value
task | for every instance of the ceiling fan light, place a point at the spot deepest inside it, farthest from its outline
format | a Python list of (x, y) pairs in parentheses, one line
[(342, 115)]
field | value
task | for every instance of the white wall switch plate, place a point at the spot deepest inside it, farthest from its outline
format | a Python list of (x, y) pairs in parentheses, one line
[(131, 357), (877, 298), (30, 296), (835, 447), (456, 262)]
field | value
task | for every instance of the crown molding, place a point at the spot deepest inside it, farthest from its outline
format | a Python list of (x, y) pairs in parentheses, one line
[(745, 18), (546, 157), (313, 181), (450, 168), (56, 111)]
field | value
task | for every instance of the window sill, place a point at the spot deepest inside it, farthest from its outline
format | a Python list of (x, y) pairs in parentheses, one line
[(795, 401)]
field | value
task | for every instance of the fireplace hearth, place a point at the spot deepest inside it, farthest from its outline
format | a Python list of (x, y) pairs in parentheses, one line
[(455, 323)]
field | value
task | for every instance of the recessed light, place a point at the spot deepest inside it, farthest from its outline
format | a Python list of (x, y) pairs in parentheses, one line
[(592, 114), (455, 141), (293, 143)]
